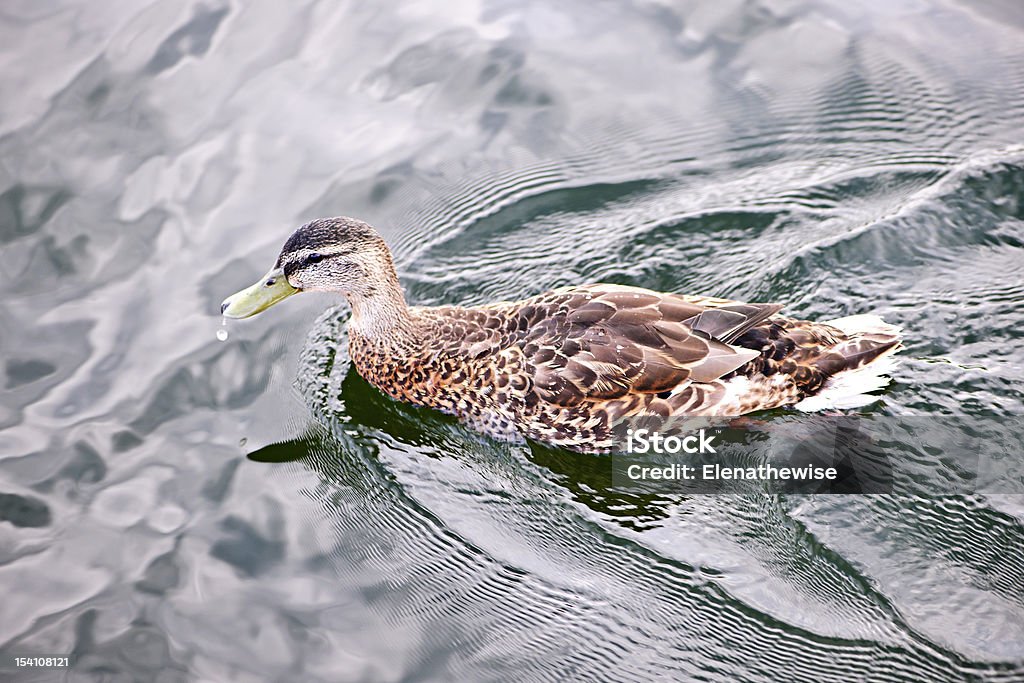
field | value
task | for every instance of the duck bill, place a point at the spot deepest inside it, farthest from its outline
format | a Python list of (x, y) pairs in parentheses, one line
[(271, 288)]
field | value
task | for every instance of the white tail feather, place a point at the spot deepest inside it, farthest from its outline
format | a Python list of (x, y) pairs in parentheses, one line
[(852, 388), (864, 323)]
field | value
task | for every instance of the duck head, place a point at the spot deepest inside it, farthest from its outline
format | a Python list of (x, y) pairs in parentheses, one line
[(341, 255)]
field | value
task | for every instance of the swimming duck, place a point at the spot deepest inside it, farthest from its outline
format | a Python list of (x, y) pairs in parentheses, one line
[(566, 366)]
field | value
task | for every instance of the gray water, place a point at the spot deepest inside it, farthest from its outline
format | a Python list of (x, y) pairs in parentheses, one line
[(173, 507)]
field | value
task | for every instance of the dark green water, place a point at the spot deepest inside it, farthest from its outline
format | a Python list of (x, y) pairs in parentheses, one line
[(837, 157)]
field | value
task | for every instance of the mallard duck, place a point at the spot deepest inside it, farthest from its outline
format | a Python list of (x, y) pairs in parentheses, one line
[(564, 366)]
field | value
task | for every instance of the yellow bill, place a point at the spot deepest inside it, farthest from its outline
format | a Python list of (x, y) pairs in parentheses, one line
[(273, 287)]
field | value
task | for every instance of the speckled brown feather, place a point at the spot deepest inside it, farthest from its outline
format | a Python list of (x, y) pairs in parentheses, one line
[(563, 366)]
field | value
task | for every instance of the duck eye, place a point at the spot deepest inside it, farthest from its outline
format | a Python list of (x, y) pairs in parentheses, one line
[(314, 258)]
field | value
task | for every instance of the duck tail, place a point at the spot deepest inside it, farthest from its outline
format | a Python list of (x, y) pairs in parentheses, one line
[(867, 355)]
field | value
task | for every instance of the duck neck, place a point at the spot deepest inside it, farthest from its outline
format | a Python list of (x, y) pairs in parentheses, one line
[(380, 314)]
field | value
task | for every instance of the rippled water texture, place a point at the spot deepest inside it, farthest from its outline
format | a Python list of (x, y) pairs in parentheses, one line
[(837, 157)]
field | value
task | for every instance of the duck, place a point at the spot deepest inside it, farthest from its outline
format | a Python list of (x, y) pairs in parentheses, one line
[(567, 366)]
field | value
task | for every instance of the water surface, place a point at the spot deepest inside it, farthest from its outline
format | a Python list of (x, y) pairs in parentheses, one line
[(836, 157)]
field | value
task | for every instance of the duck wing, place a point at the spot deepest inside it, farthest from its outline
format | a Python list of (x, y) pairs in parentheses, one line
[(607, 341)]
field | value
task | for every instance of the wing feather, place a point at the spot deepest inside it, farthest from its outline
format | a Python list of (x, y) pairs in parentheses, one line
[(610, 341)]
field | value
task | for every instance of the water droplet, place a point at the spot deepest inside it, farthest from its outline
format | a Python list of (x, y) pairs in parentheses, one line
[(222, 335)]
